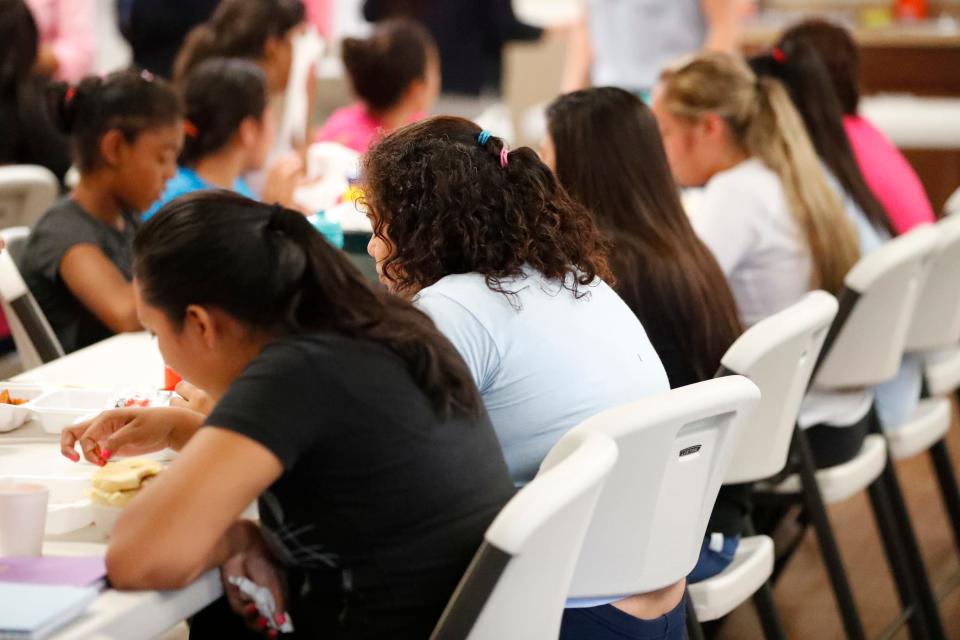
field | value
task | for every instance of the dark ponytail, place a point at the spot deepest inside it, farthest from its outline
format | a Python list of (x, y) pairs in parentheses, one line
[(126, 100), (283, 278), (237, 29), (797, 65), (218, 96), (382, 67)]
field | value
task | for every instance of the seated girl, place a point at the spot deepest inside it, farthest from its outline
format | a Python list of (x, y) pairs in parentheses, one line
[(374, 490), (229, 131), (395, 74), (257, 30), (606, 150), (803, 75), (799, 67), (767, 210), (885, 169), (126, 130), (514, 273)]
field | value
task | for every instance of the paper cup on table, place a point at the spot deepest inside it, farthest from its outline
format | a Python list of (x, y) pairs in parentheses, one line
[(23, 516)]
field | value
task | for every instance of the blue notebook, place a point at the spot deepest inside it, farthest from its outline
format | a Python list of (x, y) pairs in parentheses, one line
[(34, 612)]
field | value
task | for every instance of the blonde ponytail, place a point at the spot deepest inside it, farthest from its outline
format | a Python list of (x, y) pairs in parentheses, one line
[(765, 124)]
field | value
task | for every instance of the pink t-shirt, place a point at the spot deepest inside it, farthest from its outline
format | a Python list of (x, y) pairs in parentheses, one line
[(355, 127), (68, 27), (889, 175)]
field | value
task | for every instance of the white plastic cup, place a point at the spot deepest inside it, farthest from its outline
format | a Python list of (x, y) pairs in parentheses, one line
[(23, 516)]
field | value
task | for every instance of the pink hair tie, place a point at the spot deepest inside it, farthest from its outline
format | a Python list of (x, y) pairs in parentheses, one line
[(504, 157)]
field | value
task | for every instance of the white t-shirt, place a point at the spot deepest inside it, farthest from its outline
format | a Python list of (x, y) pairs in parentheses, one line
[(543, 359), (742, 215)]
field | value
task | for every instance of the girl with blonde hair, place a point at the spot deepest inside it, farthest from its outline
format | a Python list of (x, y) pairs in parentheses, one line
[(766, 211)]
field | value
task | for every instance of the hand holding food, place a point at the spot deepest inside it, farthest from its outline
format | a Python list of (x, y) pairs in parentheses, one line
[(130, 432)]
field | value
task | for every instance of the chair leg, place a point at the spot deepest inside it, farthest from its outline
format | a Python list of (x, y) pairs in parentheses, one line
[(767, 612), (899, 565), (948, 486), (911, 550), (813, 502), (763, 602), (694, 630)]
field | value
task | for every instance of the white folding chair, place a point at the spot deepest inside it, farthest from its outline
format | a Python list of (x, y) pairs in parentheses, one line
[(26, 192), (518, 581), (865, 347), (952, 205), (675, 449), (34, 338), (935, 336), (778, 354)]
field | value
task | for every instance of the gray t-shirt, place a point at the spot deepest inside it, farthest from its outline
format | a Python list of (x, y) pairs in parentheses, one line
[(633, 40), (63, 227)]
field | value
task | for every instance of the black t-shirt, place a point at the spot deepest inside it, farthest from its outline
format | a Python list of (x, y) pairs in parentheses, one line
[(382, 503), (63, 227), (470, 36)]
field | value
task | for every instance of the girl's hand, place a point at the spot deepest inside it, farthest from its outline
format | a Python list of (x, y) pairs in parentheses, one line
[(193, 398), (257, 565), (283, 177), (130, 432)]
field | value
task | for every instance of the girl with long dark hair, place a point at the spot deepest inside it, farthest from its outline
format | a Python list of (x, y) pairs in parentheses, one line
[(338, 404), (605, 147)]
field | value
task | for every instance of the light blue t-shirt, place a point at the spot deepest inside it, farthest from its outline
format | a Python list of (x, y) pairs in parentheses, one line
[(633, 40), (543, 359), (186, 181)]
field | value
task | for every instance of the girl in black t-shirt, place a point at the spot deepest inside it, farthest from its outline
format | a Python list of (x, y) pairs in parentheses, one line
[(337, 404), (126, 130)]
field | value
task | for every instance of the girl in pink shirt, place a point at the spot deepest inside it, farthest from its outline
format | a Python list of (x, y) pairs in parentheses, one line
[(887, 173), (395, 74)]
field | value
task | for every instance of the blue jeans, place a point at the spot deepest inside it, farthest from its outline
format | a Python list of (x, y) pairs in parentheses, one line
[(712, 562), (609, 623)]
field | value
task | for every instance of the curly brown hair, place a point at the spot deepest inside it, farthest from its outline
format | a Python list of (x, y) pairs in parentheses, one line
[(444, 205)]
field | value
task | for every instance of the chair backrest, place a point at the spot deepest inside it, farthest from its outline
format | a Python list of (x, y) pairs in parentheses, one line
[(26, 192), (936, 320), (778, 354), (674, 449), (866, 343), (34, 338), (517, 584), (952, 205)]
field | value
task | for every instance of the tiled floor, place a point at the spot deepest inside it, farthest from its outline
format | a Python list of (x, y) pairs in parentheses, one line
[(803, 594)]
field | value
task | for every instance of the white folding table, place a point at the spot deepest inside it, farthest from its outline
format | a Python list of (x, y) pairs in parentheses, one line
[(127, 359)]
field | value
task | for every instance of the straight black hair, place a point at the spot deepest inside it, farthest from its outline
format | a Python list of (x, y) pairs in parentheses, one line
[(130, 101), (267, 267), (238, 29), (218, 96), (610, 157), (383, 66), (799, 67), (839, 52)]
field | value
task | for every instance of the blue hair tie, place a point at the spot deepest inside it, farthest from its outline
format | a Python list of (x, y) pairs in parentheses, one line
[(483, 137)]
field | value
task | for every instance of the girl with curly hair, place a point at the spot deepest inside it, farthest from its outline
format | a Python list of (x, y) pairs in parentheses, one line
[(514, 272)]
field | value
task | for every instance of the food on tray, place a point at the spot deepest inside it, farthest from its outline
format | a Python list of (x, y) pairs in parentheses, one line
[(140, 399), (6, 398), (116, 484)]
